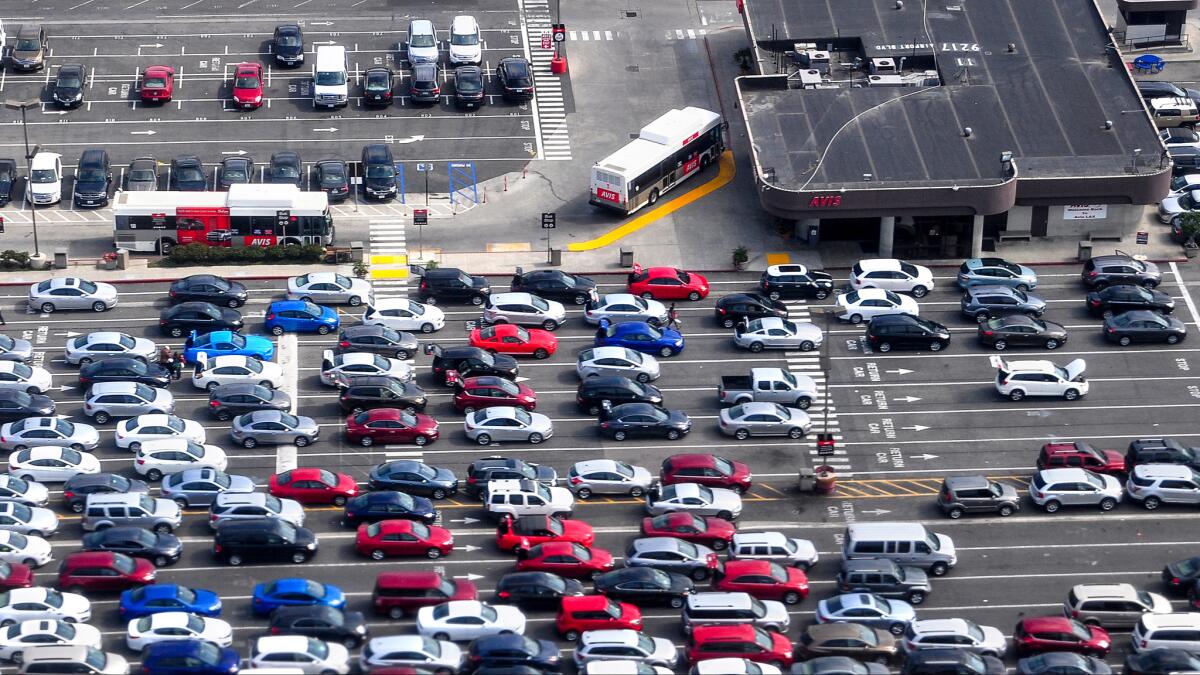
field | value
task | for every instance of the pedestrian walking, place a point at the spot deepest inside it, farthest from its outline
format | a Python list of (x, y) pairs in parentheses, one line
[(672, 317), (177, 366), (165, 357)]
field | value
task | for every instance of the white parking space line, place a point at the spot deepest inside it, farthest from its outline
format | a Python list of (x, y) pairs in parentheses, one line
[(1187, 297)]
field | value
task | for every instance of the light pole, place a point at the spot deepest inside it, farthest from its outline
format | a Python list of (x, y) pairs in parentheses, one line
[(23, 106)]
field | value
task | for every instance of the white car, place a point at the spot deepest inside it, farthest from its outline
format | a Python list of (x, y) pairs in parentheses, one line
[(243, 506), (1184, 183), (1178, 204), (26, 378), (18, 637), (328, 288), (624, 644), (157, 458), (401, 314), (165, 626), (891, 274), (732, 666), (45, 178), (962, 633), (410, 650), (631, 667), (462, 620), (1019, 379), (611, 360), (1053, 489), (422, 42), (775, 546), (229, 368), (617, 307), (772, 332), (29, 492), (361, 363), (105, 344), (466, 46), (856, 306), (33, 521), (137, 430), (694, 498), (39, 602), (51, 464), (33, 431), (524, 309), (310, 655), (25, 549), (71, 293)]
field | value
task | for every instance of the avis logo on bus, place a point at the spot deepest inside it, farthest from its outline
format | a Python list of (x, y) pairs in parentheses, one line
[(825, 202), (608, 194)]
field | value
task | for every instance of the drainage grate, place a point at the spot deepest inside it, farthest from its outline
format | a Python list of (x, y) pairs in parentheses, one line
[(630, 14), (633, 69)]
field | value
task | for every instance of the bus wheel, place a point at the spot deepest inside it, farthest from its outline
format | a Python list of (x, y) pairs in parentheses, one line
[(653, 197), (165, 246)]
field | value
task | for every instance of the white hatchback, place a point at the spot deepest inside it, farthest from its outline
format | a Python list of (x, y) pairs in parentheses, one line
[(401, 314), (857, 306)]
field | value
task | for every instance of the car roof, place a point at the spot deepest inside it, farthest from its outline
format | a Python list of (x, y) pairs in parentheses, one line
[(608, 351), (684, 489), (45, 160), (753, 407), (876, 264), (422, 25), (282, 643), (510, 296), (592, 465), (239, 498), (691, 460), (1063, 475), (872, 293), (415, 579), (966, 482), (1157, 471), (991, 289), (112, 388), (1175, 619), (927, 626), (647, 544), (767, 538), (778, 270), (1036, 623), (464, 23), (623, 636), (833, 631)]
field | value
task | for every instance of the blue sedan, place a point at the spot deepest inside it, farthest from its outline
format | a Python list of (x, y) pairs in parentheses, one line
[(225, 342), (300, 316), (996, 272), (189, 657), (155, 598), (296, 593), (640, 337)]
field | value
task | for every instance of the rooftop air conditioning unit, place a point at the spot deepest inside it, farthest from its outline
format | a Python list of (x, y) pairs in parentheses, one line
[(810, 78), (817, 59), (886, 81), (883, 66)]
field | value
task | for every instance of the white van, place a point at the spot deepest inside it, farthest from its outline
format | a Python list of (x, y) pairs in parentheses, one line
[(330, 82), (904, 543)]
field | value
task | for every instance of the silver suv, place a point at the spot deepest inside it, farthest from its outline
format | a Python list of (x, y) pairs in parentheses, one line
[(732, 609), (524, 309), (1153, 484), (107, 400), (673, 555), (1113, 605), (244, 506), (101, 511), (608, 477)]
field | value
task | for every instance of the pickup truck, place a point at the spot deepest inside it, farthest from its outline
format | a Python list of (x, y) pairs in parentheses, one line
[(774, 385)]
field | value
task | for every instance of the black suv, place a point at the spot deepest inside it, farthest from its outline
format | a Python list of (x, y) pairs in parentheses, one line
[(377, 339), (8, 179), (288, 45), (209, 288), (321, 622), (1120, 268), (468, 87), (92, 179), (469, 362), (379, 172), (333, 179), (1160, 450), (905, 331), (68, 86), (510, 650), (187, 174), (202, 317), (481, 471), (424, 86), (364, 392), (795, 281), (1124, 297), (516, 78), (977, 494), (958, 661), (594, 391), (884, 577), (452, 284), (536, 588), (733, 309), (237, 398), (76, 490), (266, 540), (555, 285)]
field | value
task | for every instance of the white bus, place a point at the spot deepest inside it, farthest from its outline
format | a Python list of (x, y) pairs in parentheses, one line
[(668, 150)]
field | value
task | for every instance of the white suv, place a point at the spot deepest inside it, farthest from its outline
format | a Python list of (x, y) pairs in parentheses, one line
[(1169, 631), (1018, 379), (466, 46), (524, 309), (1053, 489), (1153, 484), (961, 633), (45, 184), (775, 546), (891, 275), (527, 498)]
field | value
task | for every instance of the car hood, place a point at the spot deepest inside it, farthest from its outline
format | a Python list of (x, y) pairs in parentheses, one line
[(444, 476), (465, 51), (546, 474), (22, 348), (288, 50), (258, 343), (1075, 369), (45, 188), (678, 418), (167, 543), (992, 637), (240, 484), (726, 500), (1008, 493), (74, 604)]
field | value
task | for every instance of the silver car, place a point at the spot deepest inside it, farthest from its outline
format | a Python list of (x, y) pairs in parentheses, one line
[(524, 309), (1053, 489), (772, 332), (35, 431), (104, 344), (1155, 484), (71, 293), (330, 288), (28, 492), (599, 361), (15, 349), (106, 400), (200, 487), (626, 307), (670, 554), (33, 521), (506, 423), (869, 610), (256, 505), (273, 427), (760, 418), (23, 377), (694, 498), (608, 477)]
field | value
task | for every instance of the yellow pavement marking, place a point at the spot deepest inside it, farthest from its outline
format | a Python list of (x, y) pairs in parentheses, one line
[(771, 488), (778, 258), (907, 490), (510, 247), (389, 260), (390, 274), (720, 180)]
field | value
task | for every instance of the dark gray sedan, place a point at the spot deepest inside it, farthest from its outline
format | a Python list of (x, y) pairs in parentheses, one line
[(161, 549), (377, 340), (200, 487), (413, 477), (1018, 330), (985, 302), (236, 398), (1142, 325), (273, 427)]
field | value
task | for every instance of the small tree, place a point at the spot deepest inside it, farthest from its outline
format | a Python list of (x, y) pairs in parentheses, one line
[(1189, 225)]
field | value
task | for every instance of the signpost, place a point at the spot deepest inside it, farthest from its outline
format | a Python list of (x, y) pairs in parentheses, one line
[(548, 223), (1143, 238), (421, 219), (546, 44)]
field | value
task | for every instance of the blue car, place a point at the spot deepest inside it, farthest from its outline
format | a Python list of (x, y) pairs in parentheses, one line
[(388, 505), (189, 657), (996, 272), (300, 316), (222, 342), (640, 337), (293, 592), (155, 598)]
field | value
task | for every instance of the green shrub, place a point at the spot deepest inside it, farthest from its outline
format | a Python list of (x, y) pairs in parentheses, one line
[(200, 255)]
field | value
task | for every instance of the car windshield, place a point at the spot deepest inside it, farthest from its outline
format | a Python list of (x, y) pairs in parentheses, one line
[(22, 371), (143, 391), (63, 427), (246, 82), (326, 477), (143, 175), (763, 640), (416, 308), (235, 171), (487, 359), (1094, 480), (705, 494), (175, 424), (287, 40), (16, 484), (188, 174), (723, 465), (422, 40), (1079, 630), (332, 174), (312, 310), (6, 343), (28, 45), (464, 39), (523, 417), (425, 471), (468, 83), (330, 78), (687, 548), (380, 171), (123, 563), (419, 529), (285, 170), (623, 469), (208, 652), (44, 176), (909, 269), (143, 536), (975, 632), (147, 504), (70, 81), (633, 357), (892, 297), (431, 647), (71, 456), (933, 542), (378, 82), (96, 659), (18, 541), (405, 501)]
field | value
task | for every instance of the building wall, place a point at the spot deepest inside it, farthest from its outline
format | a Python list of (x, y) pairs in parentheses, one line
[(1098, 220)]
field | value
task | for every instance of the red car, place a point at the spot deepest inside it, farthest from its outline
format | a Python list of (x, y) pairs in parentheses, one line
[(566, 559), (103, 571), (764, 580), (595, 612), (486, 391), (390, 425), (398, 592), (507, 338), (402, 538), (667, 283), (529, 531), (706, 469), (1077, 454), (248, 86), (15, 575), (309, 485), (707, 530), (158, 84), (1060, 634), (740, 641)]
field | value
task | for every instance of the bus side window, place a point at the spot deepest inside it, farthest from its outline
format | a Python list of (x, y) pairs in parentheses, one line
[(189, 224)]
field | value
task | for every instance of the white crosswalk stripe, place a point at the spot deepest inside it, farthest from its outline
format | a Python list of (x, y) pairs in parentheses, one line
[(389, 254), (549, 111), (822, 412)]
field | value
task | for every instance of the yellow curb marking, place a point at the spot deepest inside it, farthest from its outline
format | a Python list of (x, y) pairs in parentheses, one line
[(778, 258)]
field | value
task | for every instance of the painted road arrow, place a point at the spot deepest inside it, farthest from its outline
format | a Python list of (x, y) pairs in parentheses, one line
[(907, 399), (156, 44), (410, 139), (468, 576), (327, 129), (326, 42), (924, 456), (233, 152), (320, 23), (143, 133), (468, 547), (899, 371), (68, 334), (876, 512), (468, 520), (54, 112), (64, 387), (916, 427)]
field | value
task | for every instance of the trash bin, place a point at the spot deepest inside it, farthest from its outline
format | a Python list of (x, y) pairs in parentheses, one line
[(826, 480), (555, 257), (356, 251), (807, 479), (626, 257), (60, 258), (122, 259), (1085, 251)]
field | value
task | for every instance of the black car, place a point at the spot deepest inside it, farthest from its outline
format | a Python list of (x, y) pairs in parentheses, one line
[(1160, 450), (263, 540), (489, 669), (515, 76), (645, 585), (124, 369), (1062, 663), (481, 471), (1162, 660), (387, 505), (187, 174), (514, 650), (413, 477), (377, 86), (795, 281), (288, 45), (616, 390), (630, 420), (468, 87), (1181, 574), (379, 172), (15, 404), (142, 175), (905, 331), (234, 170), (1119, 268), (555, 285), (321, 622), (452, 284), (1143, 325), (838, 665), (76, 490), (424, 86), (1124, 297), (1018, 330), (333, 179), (469, 362), (160, 549), (733, 309), (236, 398), (202, 317), (93, 177), (285, 168), (959, 661), (536, 588), (365, 392), (1162, 89), (68, 86), (377, 339), (8, 179), (208, 288)]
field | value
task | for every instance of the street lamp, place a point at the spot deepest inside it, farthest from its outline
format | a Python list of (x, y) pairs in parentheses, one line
[(12, 104)]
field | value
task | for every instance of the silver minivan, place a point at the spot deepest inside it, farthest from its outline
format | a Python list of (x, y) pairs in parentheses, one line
[(905, 543), (107, 400), (732, 609), (104, 510)]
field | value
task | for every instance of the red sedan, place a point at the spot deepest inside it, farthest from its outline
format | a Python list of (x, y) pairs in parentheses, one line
[(764, 580), (309, 485), (1060, 634), (103, 571), (15, 575), (667, 283), (579, 613), (529, 531), (474, 393), (248, 86), (507, 338), (390, 425), (712, 532), (566, 559), (402, 538), (706, 469), (158, 84)]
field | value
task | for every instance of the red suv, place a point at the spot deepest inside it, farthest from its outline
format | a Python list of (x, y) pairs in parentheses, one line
[(595, 612), (740, 641), (1077, 454), (1060, 634), (402, 538), (390, 425), (103, 571), (487, 391), (710, 531), (764, 580), (398, 592), (529, 531), (566, 559), (707, 470)]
